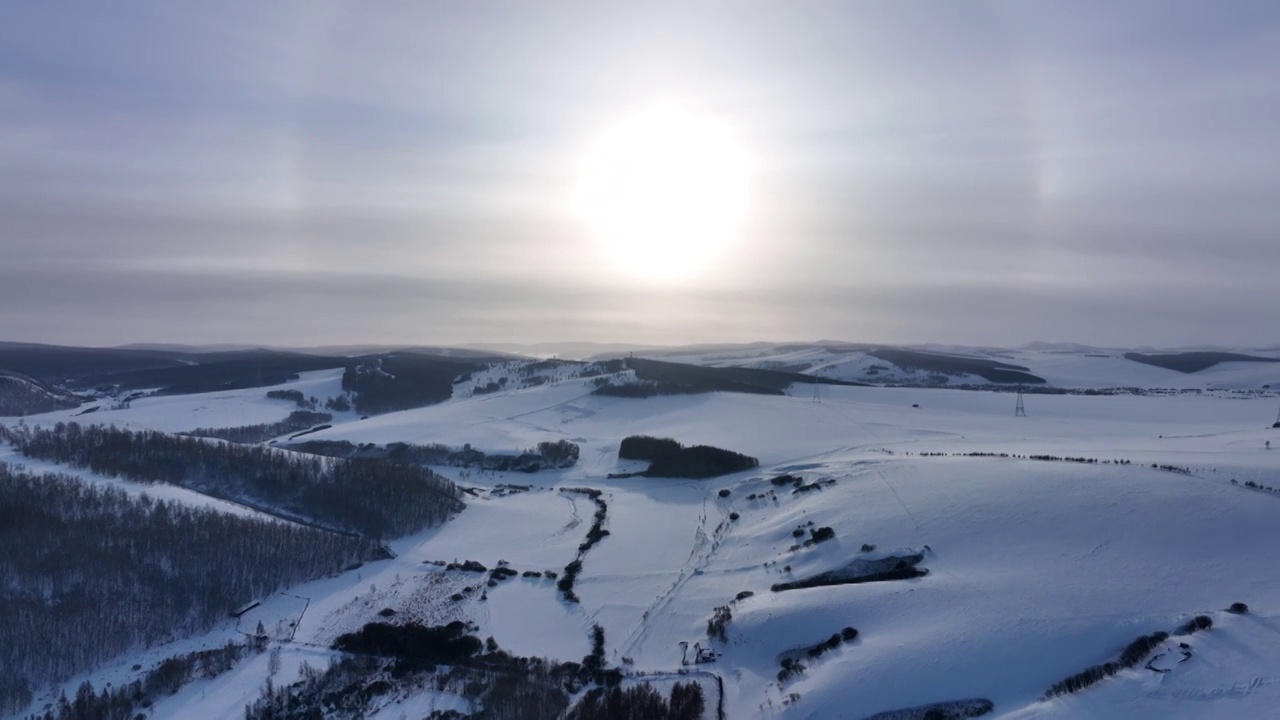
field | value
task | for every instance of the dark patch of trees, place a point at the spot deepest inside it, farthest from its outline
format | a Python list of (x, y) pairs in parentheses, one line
[(1194, 625), (1253, 485), (91, 572), (390, 659), (53, 363), (294, 396), (791, 665), (949, 710), (249, 434), (989, 370), (645, 447), (401, 381), (1132, 654), (413, 646), (594, 535), (701, 461), (376, 498), (22, 395), (1192, 362), (645, 389), (669, 458), (658, 377), (641, 702), (548, 455), (593, 662), (217, 372), (718, 625), (893, 568), (810, 487)]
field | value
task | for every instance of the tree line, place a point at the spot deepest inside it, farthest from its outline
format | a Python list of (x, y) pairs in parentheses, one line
[(297, 421), (376, 498)]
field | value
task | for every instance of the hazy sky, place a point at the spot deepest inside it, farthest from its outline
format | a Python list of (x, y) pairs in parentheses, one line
[(339, 172)]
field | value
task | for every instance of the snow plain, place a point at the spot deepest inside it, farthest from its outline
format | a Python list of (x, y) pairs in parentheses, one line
[(1037, 569)]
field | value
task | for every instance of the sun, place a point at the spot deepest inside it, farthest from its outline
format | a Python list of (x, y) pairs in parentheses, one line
[(664, 192)]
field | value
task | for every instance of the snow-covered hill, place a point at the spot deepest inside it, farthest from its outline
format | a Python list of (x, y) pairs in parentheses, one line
[(1036, 568), (1059, 366)]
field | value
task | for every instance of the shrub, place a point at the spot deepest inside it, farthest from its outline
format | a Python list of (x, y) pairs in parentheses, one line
[(1140, 648), (724, 493), (719, 622), (1133, 654), (1199, 622), (1238, 608), (823, 534), (294, 396), (568, 578)]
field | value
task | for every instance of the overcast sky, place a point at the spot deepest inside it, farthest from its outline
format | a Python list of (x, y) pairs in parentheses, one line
[(346, 172)]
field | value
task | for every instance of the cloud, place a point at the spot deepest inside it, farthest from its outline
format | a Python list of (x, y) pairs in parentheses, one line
[(998, 172)]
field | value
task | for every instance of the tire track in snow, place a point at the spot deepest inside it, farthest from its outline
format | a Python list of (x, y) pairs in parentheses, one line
[(700, 556), (896, 496)]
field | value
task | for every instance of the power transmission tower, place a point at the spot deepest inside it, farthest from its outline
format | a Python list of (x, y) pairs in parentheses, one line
[(817, 391), (1020, 410)]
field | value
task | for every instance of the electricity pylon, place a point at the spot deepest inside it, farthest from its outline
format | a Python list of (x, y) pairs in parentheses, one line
[(1021, 409)]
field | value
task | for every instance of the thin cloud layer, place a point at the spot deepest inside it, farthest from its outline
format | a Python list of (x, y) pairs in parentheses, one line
[(320, 172)]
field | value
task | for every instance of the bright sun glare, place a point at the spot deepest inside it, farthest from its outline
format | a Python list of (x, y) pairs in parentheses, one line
[(663, 192)]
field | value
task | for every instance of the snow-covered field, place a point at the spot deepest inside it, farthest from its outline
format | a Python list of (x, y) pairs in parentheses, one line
[(1036, 569)]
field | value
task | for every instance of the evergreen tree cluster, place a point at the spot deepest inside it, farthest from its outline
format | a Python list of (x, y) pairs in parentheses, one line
[(91, 572), (376, 498), (294, 396), (669, 458)]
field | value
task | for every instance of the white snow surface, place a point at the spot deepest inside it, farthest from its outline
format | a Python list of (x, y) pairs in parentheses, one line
[(1036, 570)]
